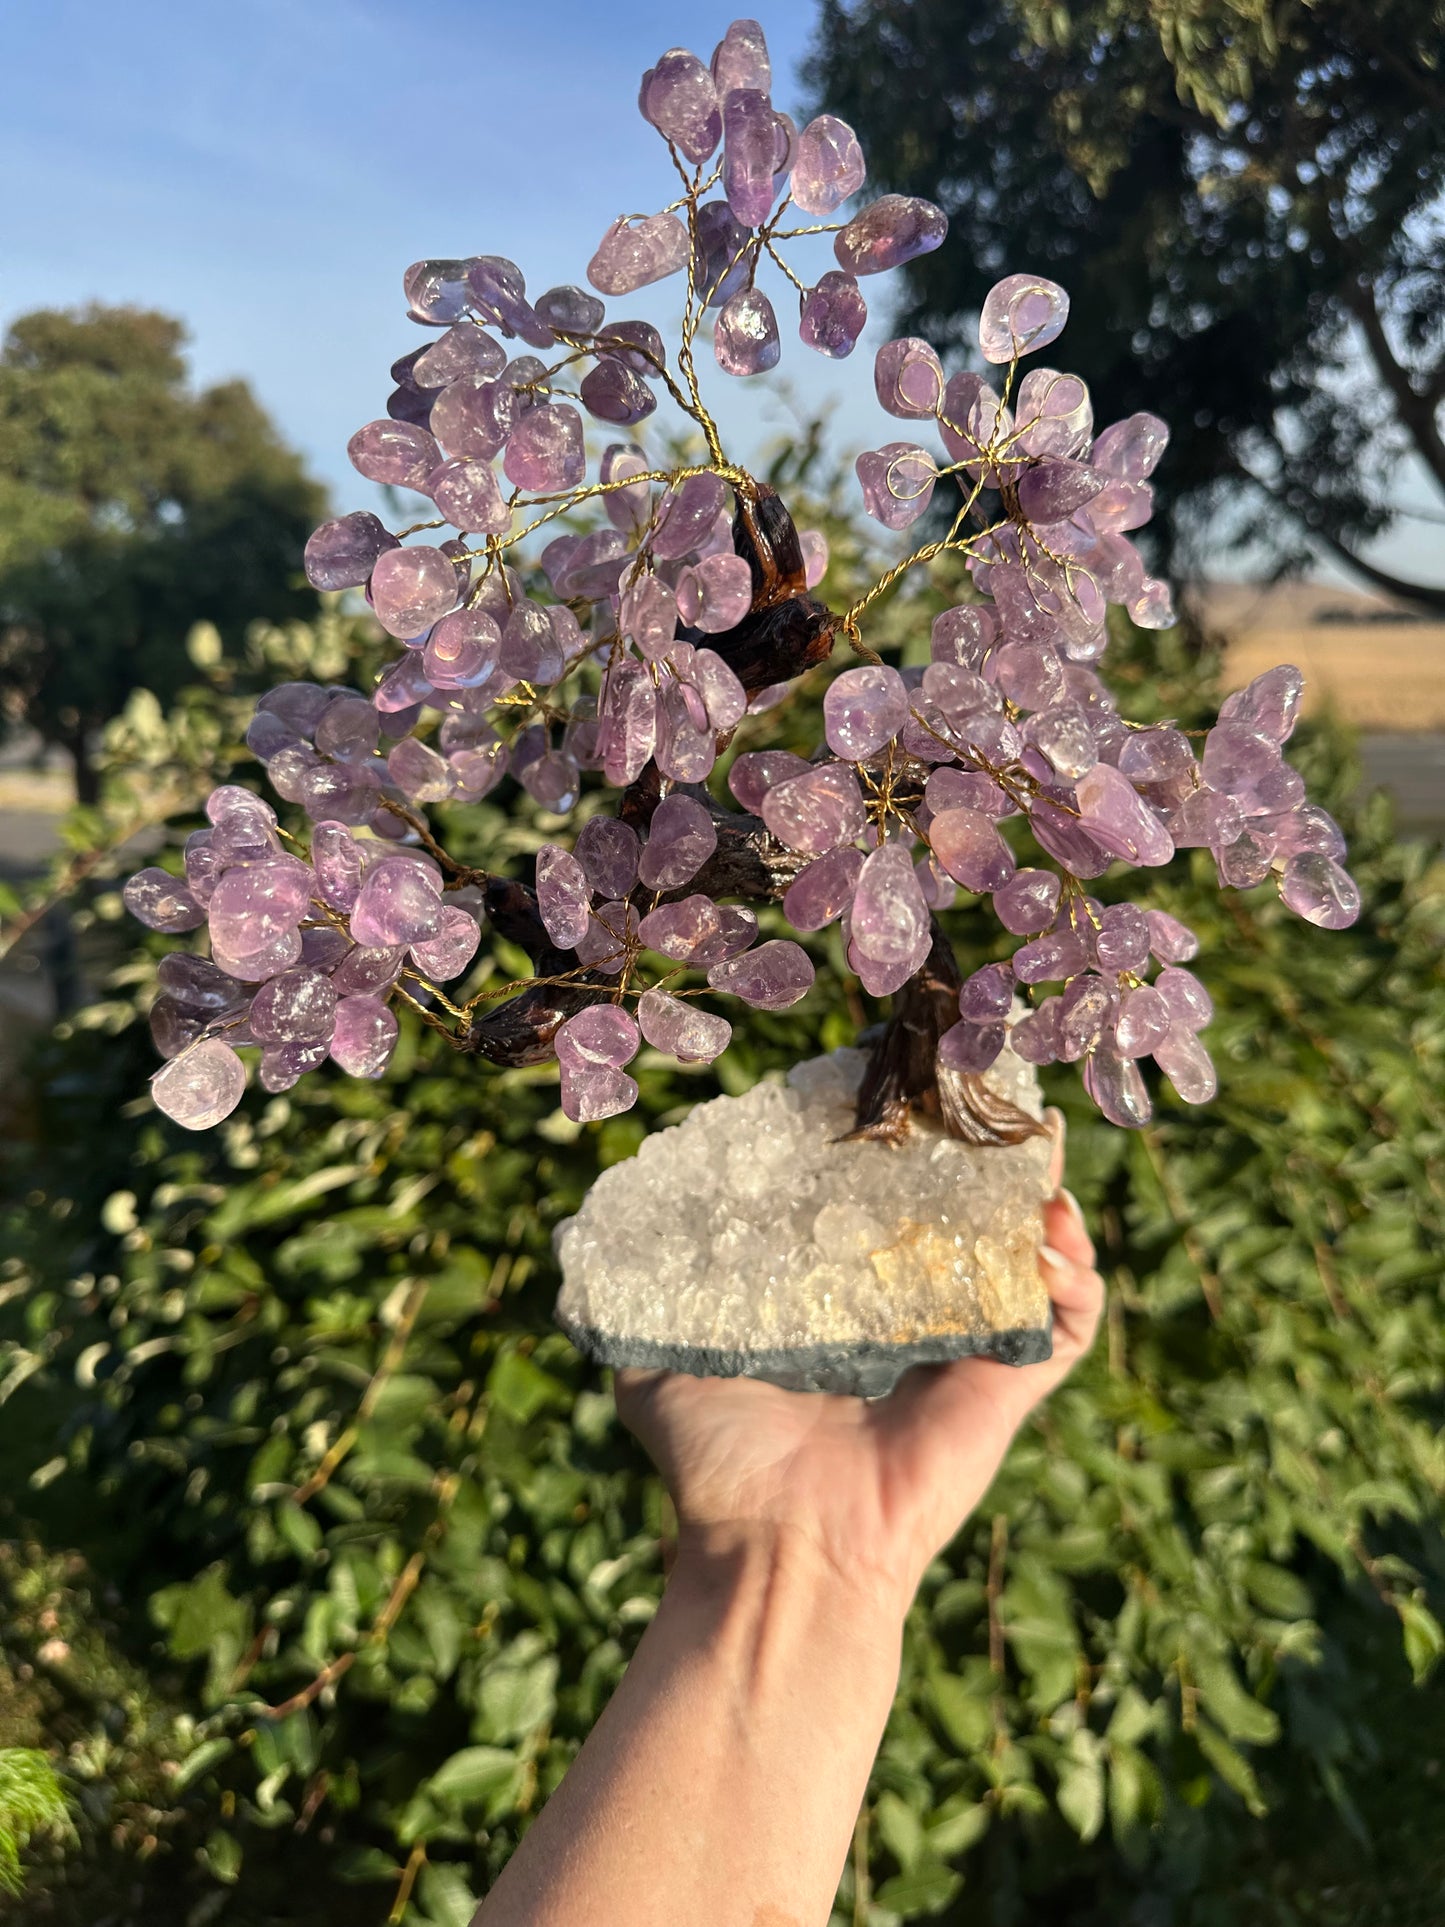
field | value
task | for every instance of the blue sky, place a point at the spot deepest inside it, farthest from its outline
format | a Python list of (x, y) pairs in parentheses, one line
[(267, 168)]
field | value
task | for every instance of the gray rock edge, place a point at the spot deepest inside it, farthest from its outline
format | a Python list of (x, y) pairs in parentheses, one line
[(867, 1370)]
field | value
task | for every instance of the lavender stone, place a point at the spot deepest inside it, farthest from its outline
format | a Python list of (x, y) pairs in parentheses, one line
[(364, 1037), (201, 1086), (888, 232)]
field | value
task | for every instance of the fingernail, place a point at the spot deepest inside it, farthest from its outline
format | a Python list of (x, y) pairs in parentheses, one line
[(1055, 1258), (1073, 1203)]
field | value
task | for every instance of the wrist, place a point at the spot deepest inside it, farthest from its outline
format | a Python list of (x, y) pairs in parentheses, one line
[(782, 1561)]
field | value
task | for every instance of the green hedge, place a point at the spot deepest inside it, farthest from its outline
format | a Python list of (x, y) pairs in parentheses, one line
[(292, 1391)]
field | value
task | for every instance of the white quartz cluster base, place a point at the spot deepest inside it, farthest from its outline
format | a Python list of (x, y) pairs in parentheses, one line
[(749, 1240)]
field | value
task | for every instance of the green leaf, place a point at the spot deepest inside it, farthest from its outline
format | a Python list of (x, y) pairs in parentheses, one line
[(966, 1717), (444, 1892), (514, 1700), (926, 1889), (1081, 1794), (519, 1387), (1424, 1637), (208, 1754), (1230, 1765), (474, 1774), (899, 1828), (1238, 1713)]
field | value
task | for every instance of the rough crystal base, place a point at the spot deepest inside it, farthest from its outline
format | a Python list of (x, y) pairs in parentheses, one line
[(748, 1240)]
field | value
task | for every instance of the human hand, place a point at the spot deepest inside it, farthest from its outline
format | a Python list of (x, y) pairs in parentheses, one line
[(874, 1488)]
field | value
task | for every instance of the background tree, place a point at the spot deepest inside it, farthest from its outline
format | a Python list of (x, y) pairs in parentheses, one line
[(1244, 202), (131, 507)]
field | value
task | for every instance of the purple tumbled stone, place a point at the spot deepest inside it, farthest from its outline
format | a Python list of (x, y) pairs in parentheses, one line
[(255, 966), (964, 635), (1085, 1007), (1171, 941), (348, 729), (1056, 489), (908, 378), (436, 291), (771, 977), (413, 588), (1021, 313), (1269, 705), (1245, 862), (474, 416), (1121, 941), (1028, 902), (714, 595), (298, 1007), (682, 930), (553, 779), (595, 1092), (757, 771), (691, 1035), (364, 1037), (447, 954), (627, 716), (1187, 1065), (1035, 1037), (1117, 1088), (628, 506), (834, 314), (613, 392), (564, 896), (968, 1048), (1053, 417), (258, 904), (863, 709), (970, 849), (608, 852), (817, 810), (680, 839), (632, 254), (888, 232), (686, 744), (364, 970), (466, 491), (1050, 958), (603, 1036), (612, 933), (464, 349), (1143, 1021), (400, 903), (745, 339), (396, 453), (402, 686), (897, 481), (1029, 674), (1189, 1002), (888, 922), (162, 902), (418, 772), (687, 512), (987, 995), (823, 891), (1114, 814), (546, 451), (740, 59), (723, 696), (749, 150), (173, 1028), (1316, 888), (1130, 449), (284, 1065), (337, 859), (201, 1086), (679, 97), (462, 651), (342, 554), (828, 165), (196, 984), (1206, 820)]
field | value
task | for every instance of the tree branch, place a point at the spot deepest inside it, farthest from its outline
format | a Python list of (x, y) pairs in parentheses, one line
[(1415, 408)]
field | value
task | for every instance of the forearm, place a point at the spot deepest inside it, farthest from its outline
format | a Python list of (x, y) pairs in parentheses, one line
[(722, 1782)]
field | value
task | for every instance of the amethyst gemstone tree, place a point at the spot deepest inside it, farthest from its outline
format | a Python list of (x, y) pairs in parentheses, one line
[(597, 626)]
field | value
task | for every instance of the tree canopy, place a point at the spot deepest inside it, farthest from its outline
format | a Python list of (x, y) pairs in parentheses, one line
[(131, 507), (1245, 202)]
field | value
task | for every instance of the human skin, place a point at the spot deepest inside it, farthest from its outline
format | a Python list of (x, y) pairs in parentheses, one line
[(721, 1784)]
